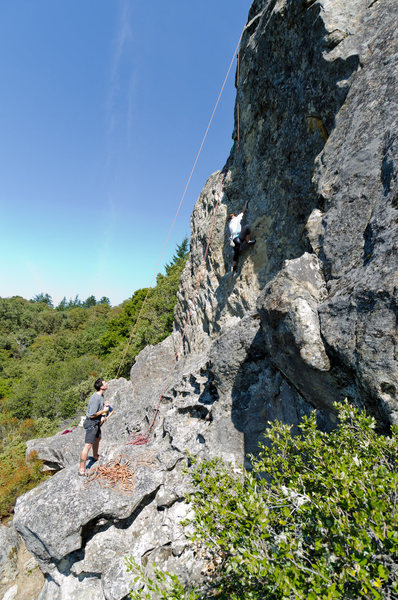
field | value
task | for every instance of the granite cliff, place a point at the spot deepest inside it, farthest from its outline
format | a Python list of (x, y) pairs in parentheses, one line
[(309, 318)]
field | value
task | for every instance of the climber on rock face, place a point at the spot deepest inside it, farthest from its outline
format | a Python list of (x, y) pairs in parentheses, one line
[(239, 235), (95, 416)]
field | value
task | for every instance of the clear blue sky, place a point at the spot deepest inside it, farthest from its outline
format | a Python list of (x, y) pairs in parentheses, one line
[(103, 106)]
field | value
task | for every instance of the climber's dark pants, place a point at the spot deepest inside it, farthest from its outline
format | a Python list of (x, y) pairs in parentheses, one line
[(238, 241)]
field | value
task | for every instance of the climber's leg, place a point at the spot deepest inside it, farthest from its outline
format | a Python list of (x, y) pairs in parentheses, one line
[(244, 235), (236, 253)]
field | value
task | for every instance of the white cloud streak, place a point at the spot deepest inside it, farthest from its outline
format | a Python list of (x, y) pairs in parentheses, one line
[(120, 88)]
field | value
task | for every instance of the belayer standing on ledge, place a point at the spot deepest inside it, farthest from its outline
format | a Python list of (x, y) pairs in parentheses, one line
[(95, 416), (239, 235)]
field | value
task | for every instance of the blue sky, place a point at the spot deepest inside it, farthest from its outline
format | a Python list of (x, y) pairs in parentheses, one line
[(103, 106)]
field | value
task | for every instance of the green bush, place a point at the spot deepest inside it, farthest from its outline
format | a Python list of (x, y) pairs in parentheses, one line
[(315, 519)]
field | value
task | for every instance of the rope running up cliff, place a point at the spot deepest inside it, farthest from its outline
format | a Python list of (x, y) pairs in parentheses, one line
[(236, 53), (119, 474)]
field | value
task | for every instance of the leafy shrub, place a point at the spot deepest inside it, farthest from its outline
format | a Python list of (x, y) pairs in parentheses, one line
[(163, 586), (18, 475), (315, 519)]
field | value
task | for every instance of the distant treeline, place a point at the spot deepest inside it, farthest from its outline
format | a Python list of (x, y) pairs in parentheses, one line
[(50, 357), (66, 304)]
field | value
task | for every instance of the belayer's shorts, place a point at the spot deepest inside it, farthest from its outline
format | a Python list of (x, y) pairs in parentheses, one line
[(93, 431)]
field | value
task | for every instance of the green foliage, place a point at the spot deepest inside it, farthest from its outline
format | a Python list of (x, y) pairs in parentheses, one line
[(315, 519), (156, 317), (5, 387), (16, 474), (163, 586), (46, 298), (179, 256), (120, 326), (77, 303)]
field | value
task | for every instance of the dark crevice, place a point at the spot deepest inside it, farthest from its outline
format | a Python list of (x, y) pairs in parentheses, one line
[(166, 505), (102, 523), (96, 525), (196, 412), (388, 388), (87, 575), (369, 244), (388, 172), (162, 552), (173, 466), (52, 467), (125, 523)]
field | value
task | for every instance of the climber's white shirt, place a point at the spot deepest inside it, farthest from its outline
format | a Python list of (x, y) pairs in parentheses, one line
[(235, 226)]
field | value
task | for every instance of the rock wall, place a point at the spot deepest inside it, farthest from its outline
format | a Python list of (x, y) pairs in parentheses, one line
[(20, 576), (308, 319), (317, 161)]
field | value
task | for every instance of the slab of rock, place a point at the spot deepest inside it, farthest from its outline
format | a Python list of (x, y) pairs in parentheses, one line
[(288, 308), (9, 545), (356, 174), (51, 517)]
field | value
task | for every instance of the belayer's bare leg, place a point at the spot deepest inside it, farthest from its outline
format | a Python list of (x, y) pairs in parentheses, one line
[(83, 458), (95, 448)]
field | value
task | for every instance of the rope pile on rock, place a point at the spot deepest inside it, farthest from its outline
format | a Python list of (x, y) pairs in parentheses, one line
[(118, 474)]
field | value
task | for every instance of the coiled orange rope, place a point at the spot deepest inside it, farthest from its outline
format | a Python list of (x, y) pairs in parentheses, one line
[(119, 473)]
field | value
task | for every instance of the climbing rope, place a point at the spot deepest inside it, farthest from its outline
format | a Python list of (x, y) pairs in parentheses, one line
[(143, 438), (180, 204), (119, 473)]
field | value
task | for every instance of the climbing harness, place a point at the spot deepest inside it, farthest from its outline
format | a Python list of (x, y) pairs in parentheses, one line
[(119, 473)]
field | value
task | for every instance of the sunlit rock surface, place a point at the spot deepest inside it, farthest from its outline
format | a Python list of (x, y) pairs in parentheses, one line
[(309, 318)]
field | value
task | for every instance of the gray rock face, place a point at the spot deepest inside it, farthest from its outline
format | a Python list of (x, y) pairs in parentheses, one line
[(357, 177), (317, 161), (57, 455), (309, 318), (288, 307), (9, 544)]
